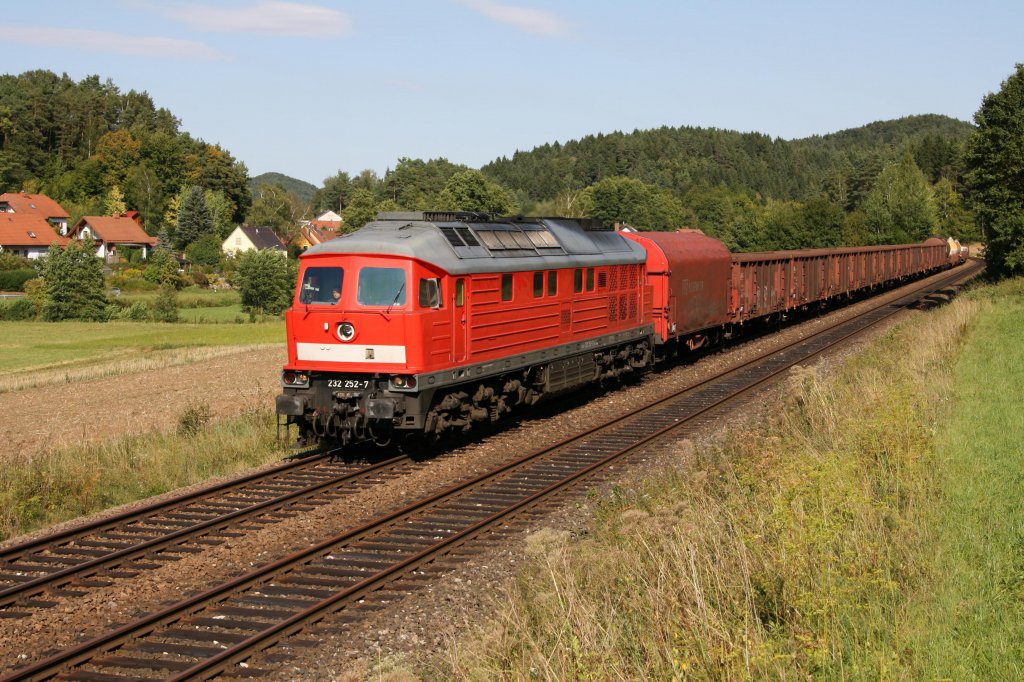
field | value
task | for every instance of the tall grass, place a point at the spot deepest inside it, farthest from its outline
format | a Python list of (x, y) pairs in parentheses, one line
[(58, 485), (847, 537)]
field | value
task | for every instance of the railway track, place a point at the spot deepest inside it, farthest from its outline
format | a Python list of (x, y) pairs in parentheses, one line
[(63, 564), (217, 631)]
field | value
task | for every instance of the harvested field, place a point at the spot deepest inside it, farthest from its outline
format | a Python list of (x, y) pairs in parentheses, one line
[(139, 400)]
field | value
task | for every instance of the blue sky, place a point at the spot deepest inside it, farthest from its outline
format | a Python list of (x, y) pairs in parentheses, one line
[(311, 88)]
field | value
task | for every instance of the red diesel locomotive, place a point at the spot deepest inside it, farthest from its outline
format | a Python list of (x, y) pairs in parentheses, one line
[(430, 322)]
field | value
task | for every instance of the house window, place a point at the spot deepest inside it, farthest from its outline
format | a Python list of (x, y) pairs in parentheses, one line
[(506, 287), (238, 241)]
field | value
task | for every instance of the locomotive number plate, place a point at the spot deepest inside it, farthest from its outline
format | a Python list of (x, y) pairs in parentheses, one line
[(349, 384)]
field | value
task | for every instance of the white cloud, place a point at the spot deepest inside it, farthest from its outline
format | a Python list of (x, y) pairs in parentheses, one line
[(536, 21), (270, 17), (103, 41)]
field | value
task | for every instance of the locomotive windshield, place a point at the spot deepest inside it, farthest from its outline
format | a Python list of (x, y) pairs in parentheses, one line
[(321, 286), (381, 286)]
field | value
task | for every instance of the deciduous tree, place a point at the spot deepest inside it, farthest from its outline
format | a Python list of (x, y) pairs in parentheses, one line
[(995, 176), (361, 209), (469, 190), (266, 281), (900, 206), (74, 283)]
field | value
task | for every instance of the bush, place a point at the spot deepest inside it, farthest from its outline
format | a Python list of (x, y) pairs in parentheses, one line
[(18, 309), (200, 279), (165, 307), (193, 419), (206, 251), (136, 312), (14, 280), (8, 261)]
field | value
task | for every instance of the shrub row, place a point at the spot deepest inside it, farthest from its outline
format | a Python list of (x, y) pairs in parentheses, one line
[(14, 280)]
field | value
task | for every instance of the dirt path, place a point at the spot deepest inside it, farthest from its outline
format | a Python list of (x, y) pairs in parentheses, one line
[(37, 419)]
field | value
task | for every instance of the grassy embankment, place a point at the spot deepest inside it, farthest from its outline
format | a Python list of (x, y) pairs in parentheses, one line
[(38, 489), (872, 530)]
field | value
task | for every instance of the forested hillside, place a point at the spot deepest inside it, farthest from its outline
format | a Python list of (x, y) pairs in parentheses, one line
[(94, 148), (300, 188), (887, 182), (97, 150), (883, 182)]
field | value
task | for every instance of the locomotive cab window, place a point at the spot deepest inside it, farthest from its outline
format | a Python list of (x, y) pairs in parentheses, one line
[(460, 292), (506, 287), (430, 293), (321, 286), (381, 286)]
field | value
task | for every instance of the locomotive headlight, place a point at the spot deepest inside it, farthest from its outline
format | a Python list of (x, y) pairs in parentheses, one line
[(292, 378), (346, 331), (404, 382)]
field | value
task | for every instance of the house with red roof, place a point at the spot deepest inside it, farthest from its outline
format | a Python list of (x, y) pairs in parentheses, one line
[(27, 235), (311, 235), (23, 203), (329, 221), (114, 234)]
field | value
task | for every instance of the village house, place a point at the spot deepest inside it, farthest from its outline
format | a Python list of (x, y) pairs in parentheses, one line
[(25, 204), (329, 221), (114, 235), (246, 238), (27, 235), (309, 235)]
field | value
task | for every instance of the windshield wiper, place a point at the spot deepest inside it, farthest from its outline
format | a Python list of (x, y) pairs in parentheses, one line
[(397, 296)]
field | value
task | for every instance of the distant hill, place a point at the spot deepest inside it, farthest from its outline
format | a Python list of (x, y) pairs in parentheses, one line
[(680, 159), (299, 188)]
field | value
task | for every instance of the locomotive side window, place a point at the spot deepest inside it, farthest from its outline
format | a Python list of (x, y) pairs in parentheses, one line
[(460, 292), (552, 282), (577, 280), (590, 279), (381, 286), (321, 286), (430, 293), (506, 287), (538, 284)]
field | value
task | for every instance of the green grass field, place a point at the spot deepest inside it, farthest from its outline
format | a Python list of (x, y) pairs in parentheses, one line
[(192, 297), (871, 529), (48, 345)]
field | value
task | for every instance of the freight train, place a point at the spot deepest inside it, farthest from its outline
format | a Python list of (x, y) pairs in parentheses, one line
[(433, 323)]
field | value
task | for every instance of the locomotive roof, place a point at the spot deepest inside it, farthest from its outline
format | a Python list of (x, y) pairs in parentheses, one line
[(463, 243)]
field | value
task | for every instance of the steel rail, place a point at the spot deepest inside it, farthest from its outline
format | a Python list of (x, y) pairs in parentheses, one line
[(60, 578), (13, 552)]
